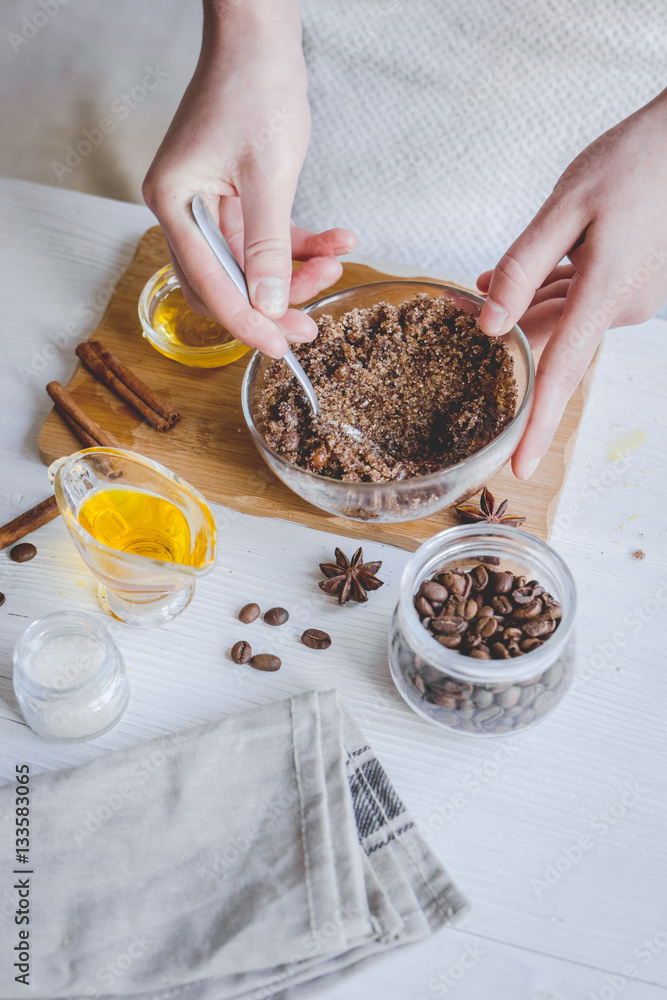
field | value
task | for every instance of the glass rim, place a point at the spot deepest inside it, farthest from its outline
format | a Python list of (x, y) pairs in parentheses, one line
[(431, 477), (75, 622), (468, 668)]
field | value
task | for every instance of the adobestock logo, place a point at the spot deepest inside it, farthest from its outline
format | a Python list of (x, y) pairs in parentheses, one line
[(120, 108), (31, 26)]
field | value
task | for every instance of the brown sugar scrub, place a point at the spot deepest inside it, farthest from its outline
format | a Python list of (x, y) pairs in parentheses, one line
[(404, 391)]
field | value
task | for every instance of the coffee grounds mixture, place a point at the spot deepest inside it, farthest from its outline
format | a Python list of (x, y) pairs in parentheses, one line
[(403, 390)]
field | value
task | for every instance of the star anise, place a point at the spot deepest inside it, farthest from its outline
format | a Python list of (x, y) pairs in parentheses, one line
[(488, 512), (350, 578)]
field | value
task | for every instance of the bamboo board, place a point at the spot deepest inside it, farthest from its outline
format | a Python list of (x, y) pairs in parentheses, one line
[(212, 448)]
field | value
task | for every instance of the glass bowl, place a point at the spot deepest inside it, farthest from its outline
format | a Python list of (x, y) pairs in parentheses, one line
[(477, 697), (419, 496), (154, 293)]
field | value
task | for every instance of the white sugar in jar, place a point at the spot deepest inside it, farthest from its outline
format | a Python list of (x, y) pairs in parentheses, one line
[(69, 677)]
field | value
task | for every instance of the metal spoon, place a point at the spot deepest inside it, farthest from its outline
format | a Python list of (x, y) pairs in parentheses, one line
[(220, 248)]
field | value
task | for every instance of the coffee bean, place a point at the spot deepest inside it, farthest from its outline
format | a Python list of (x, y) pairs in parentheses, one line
[(469, 609), (458, 584), (2, 599), (509, 697), (527, 716), (265, 661), (249, 613), (450, 641), (315, 638), (241, 651), (486, 627), (514, 649), (552, 676), (528, 645), (23, 552), (424, 609), (552, 606), (502, 582), (523, 595), (480, 577), (482, 698), (480, 654), (449, 625), (528, 611), (513, 712), (519, 581), (528, 695), (276, 616), (434, 592), (499, 651), (490, 560), (543, 625), (489, 714), (501, 604), (444, 700), (512, 634)]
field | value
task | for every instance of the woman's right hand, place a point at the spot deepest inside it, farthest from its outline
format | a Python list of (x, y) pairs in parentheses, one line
[(239, 138)]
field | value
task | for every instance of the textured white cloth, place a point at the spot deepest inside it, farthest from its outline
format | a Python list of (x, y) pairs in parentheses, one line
[(240, 859), (439, 128)]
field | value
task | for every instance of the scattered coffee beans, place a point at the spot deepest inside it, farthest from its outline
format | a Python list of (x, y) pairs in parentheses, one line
[(316, 639), (265, 661), (2, 599), (23, 552), (249, 613), (241, 651), (276, 616)]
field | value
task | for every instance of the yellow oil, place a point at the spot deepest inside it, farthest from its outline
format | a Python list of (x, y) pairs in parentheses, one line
[(139, 523), (178, 324)]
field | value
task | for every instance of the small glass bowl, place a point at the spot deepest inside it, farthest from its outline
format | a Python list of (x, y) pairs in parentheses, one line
[(475, 697), (62, 696), (154, 292), (419, 496)]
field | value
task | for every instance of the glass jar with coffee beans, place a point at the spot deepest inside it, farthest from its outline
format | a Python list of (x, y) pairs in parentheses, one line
[(482, 639)]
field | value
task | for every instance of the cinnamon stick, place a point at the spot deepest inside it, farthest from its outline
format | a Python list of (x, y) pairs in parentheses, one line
[(138, 387), (89, 434), (87, 431), (92, 359), (32, 519)]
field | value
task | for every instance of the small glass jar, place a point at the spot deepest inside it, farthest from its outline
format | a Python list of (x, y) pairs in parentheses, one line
[(158, 317), (479, 697), (69, 677)]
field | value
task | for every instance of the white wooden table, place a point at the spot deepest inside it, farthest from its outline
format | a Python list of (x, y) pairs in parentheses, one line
[(548, 920)]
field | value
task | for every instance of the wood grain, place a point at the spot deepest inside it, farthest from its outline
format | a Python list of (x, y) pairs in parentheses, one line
[(211, 446)]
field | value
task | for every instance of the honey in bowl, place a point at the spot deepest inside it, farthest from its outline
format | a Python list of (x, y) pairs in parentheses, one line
[(139, 523), (178, 324), (180, 333)]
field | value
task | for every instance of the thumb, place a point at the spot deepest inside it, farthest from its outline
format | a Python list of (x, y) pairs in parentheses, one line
[(267, 251), (521, 271)]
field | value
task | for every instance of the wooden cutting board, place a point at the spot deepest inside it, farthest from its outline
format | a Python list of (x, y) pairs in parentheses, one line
[(211, 446)]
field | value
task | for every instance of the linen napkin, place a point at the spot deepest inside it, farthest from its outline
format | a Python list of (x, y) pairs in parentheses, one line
[(240, 859)]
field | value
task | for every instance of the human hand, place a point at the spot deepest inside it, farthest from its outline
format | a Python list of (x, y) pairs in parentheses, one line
[(608, 215), (239, 138)]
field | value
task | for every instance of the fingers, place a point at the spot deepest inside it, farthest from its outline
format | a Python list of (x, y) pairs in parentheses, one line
[(332, 242), (313, 276), (562, 366), (267, 242), (539, 321), (527, 263), (208, 289)]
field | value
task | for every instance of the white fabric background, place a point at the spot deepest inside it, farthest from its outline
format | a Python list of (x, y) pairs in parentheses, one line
[(438, 127)]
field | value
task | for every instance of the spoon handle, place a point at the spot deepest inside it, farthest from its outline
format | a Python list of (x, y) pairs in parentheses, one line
[(218, 244)]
